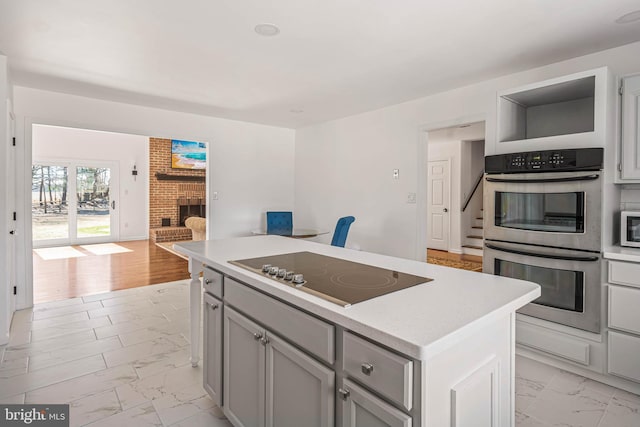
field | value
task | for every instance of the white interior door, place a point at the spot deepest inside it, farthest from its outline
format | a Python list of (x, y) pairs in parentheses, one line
[(11, 199), (438, 204)]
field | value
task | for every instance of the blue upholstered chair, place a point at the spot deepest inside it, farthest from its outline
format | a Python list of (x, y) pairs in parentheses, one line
[(279, 223), (342, 229)]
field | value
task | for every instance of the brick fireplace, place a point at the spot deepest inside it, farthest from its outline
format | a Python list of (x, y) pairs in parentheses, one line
[(169, 189)]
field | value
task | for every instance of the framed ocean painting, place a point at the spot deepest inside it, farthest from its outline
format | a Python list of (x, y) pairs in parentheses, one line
[(188, 154)]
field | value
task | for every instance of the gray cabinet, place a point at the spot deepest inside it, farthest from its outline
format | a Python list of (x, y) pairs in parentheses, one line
[(300, 390), (269, 383), (630, 133), (213, 347), (244, 365), (362, 409), (623, 344)]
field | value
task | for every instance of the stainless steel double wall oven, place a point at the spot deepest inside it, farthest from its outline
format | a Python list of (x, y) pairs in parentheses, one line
[(543, 224)]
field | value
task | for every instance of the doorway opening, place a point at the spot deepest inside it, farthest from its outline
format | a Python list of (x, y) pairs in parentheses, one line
[(94, 201), (454, 206)]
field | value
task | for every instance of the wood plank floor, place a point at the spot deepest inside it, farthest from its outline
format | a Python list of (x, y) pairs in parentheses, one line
[(143, 264), (465, 262)]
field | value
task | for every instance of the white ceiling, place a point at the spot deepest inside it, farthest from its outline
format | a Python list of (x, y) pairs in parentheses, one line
[(333, 58)]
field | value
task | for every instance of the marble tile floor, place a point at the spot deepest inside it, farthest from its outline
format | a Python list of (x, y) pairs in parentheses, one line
[(119, 359), (122, 359)]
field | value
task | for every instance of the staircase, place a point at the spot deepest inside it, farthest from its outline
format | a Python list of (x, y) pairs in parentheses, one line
[(475, 237)]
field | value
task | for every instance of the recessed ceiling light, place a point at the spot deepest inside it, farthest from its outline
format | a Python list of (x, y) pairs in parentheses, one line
[(629, 17), (267, 30), (296, 110)]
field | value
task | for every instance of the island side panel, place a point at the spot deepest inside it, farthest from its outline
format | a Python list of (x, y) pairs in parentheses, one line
[(472, 382), (195, 301)]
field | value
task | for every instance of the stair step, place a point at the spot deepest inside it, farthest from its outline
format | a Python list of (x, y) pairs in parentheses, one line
[(474, 237), (472, 247)]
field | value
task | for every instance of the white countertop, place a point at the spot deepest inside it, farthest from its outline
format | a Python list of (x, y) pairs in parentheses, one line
[(622, 254), (419, 321)]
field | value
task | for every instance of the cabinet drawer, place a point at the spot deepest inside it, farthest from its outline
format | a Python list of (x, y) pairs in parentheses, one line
[(304, 330), (553, 342), (623, 356), (387, 373), (212, 281), (623, 308), (624, 273)]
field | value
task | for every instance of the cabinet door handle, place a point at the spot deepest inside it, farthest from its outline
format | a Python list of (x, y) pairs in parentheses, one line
[(214, 306), (257, 336), (264, 341), (207, 281), (344, 393), (366, 368)]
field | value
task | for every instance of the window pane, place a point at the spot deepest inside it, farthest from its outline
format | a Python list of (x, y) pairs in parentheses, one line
[(49, 205), (92, 186)]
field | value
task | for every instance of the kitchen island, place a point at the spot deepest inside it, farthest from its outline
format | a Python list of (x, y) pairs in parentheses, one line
[(440, 353)]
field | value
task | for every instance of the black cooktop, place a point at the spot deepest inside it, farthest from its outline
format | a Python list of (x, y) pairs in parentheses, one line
[(334, 279)]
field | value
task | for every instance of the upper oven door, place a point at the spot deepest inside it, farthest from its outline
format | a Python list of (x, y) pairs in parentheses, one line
[(560, 209)]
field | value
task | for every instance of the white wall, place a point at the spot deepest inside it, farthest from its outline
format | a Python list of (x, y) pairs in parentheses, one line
[(251, 166), (345, 165), (61, 143)]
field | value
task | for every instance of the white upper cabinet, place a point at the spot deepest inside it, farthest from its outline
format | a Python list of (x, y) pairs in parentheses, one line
[(630, 116), (561, 113)]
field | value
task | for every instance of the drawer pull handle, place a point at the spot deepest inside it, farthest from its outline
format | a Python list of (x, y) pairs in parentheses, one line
[(207, 281), (214, 306), (257, 336), (344, 393), (366, 368)]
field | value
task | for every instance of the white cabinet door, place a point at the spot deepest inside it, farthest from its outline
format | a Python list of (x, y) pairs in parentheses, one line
[(213, 348), (300, 391), (630, 132), (244, 363), (362, 409), (623, 356)]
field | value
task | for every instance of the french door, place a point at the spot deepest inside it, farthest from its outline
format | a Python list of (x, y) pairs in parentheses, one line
[(74, 202)]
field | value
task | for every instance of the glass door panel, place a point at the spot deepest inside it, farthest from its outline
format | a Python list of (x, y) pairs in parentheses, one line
[(49, 202), (547, 212), (93, 211), (562, 289)]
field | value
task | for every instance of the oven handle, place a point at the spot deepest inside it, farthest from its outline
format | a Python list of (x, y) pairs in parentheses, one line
[(539, 255), (543, 180)]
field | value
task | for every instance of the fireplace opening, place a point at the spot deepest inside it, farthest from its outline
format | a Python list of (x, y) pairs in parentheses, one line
[(188, 207)]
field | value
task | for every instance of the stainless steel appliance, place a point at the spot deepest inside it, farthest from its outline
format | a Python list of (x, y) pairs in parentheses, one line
[(630, 229), (543, 223), (333, 279)]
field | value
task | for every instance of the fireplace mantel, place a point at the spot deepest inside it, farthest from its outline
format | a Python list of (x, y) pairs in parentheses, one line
[(170, 177)]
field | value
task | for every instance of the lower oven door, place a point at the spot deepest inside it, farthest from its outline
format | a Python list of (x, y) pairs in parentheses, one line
[(569, 281)]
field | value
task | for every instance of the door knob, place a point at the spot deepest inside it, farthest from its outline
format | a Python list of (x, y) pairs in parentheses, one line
[(445, 210)]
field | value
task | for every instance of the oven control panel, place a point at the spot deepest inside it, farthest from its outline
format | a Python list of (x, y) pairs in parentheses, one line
[(546, 161)]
